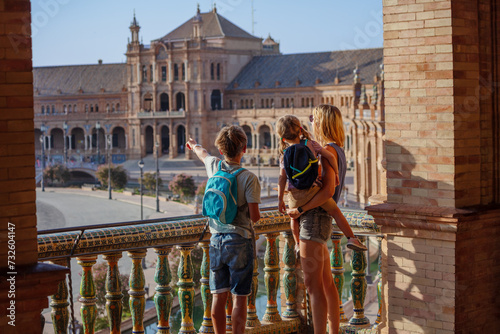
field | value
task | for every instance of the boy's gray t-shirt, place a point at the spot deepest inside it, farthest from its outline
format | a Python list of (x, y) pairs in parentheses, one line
[(248, 192)]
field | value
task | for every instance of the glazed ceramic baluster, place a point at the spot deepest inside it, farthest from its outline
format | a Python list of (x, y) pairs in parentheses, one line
[(113, 293), (163, 296), (252, 318), (358, 287), (337, 267), (59, 303), (272, 278), (206, 296), (290, 277), (186, 289), (137, 300), (379, 284), (88, 300)]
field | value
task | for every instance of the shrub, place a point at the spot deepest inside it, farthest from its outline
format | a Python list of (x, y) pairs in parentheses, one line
[(149, 181), (56, 174), (182, 185), (118, 176)]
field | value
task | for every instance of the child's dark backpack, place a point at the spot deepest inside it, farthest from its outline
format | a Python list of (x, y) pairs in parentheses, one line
[(301, 166), (220, 201)]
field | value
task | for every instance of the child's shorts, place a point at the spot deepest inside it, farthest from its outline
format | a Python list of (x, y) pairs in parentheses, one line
[(316, 225), (231, 264), (299, 197)]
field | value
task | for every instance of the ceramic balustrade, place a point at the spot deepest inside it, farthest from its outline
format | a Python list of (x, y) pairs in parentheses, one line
[(184, 232)]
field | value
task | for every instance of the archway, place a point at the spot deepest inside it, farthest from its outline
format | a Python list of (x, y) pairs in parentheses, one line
[(181, 139), (181, 101), (57, 139), (164, 102), (248, 132), (165, 139), (77, 139), (149, 140), (265, 137), (118, 137), (148, 102), (215, 99)]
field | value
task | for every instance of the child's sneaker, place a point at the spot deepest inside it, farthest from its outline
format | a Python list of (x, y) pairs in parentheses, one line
[(355, 244)]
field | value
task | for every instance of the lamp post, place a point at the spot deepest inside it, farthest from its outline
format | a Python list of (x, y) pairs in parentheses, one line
[(109, 165), (258, 166), (65, 127), (157, 145), (42, 143), (97, 127), (141, 166)]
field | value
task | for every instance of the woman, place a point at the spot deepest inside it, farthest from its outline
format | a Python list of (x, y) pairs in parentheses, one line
[(316, 223)]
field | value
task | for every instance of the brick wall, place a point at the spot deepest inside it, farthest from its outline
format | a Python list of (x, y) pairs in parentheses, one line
[(17, 171), (441, 123)]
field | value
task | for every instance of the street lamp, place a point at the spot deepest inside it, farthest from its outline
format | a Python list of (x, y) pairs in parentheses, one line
[(65, 127), (109, 166), (141, 166), (157, 145), (258, 166), (42, 143), (97, 127)]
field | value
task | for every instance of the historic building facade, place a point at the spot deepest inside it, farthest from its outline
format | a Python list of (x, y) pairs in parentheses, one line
[(204, 74)]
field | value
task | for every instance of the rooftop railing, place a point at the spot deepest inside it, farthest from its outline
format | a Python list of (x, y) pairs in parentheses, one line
[(110, 240)]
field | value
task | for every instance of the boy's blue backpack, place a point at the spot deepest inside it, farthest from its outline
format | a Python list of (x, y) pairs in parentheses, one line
[(220, 201), (301, 166)]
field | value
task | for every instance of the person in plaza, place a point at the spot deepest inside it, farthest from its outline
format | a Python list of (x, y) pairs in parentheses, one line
[(291, 132), (316, 223), (232, 246)]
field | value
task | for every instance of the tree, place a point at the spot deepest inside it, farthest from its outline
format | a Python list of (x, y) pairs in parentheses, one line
[(118, 176), (182, 185), (57, 174), (149, 181)]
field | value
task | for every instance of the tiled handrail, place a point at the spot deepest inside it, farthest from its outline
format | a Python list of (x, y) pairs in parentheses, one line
[(85, 243)]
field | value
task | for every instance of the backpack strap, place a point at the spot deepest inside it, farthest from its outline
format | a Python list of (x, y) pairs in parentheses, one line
[(236, 172)]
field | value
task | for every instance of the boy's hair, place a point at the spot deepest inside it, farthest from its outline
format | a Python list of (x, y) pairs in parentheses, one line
[(289, 127), (231, 140), (328, 125)]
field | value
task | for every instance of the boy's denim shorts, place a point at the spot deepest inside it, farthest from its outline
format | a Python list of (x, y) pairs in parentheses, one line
[(231, 264)]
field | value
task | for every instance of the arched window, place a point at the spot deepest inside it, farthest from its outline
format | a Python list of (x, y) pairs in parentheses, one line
[(246, 104), (69, 108), (43, 110), (113, 107), (176, 72), (307, 102), (262, 103), (287, 103), (107, 108), (212, 70), (312, 101), (65, 110), (218, 71), (96, 108), (164, 102), (282, 103), (53, 109), (151, 74), (230, 104), (74, 108), (242, 105), (91, 108), (183, 71), (267, 103), (117, 107), (302, 103), (272, 103), (144, 73)]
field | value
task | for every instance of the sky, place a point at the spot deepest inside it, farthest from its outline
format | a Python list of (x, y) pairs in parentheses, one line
[(72, 32)]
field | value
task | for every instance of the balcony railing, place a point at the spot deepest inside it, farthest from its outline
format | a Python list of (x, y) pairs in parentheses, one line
[(162, 114), (87, 242)]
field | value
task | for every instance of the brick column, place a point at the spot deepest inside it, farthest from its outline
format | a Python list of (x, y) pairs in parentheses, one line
[(442, 140), (29, 284)]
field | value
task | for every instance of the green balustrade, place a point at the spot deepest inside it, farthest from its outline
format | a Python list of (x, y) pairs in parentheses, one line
[(206, 297), (358, 288), (337, 267), (59, 304), (186, 289), (137, 300), (163, 296), (252, 318), (113, 293), (290, 277), (88, 299), (272, 278)]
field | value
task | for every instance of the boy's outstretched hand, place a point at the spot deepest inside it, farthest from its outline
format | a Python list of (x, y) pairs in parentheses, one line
[(190, 143)]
